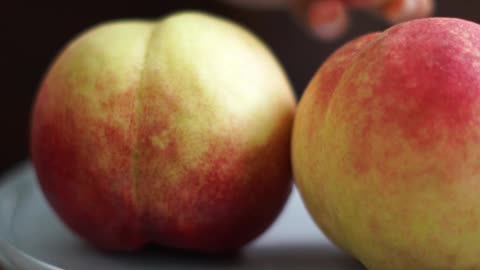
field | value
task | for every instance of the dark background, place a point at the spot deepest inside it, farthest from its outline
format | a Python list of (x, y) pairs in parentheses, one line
[(33, 33)]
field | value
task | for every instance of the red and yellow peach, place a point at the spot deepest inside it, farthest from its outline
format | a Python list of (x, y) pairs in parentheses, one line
[(174, 132), (386, 146)]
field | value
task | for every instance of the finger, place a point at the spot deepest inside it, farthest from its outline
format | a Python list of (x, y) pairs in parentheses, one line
[(327, 19), (425, 8), (397, 11), (364, 4)]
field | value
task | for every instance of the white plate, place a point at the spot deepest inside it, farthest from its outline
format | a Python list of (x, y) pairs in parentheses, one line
[(33, 238)]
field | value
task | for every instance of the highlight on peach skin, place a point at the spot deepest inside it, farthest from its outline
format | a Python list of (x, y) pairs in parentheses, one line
[(386, 144), (174, 132)]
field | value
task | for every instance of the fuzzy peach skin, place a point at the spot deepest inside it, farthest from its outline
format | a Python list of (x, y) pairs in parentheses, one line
[(386, 146), (174, 132)]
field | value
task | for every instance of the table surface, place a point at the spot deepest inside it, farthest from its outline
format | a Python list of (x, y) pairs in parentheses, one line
[(29, 230)]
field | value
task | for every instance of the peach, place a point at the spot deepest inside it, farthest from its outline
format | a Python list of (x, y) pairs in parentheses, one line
[(174, 132), (386, 146)]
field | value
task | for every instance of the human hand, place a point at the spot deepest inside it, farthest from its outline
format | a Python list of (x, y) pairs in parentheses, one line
[(329, 19)]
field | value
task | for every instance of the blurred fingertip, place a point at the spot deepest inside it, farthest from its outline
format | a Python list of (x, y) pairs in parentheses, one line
[(425, 8), (365, 4), (397, 11), (327, 19)]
